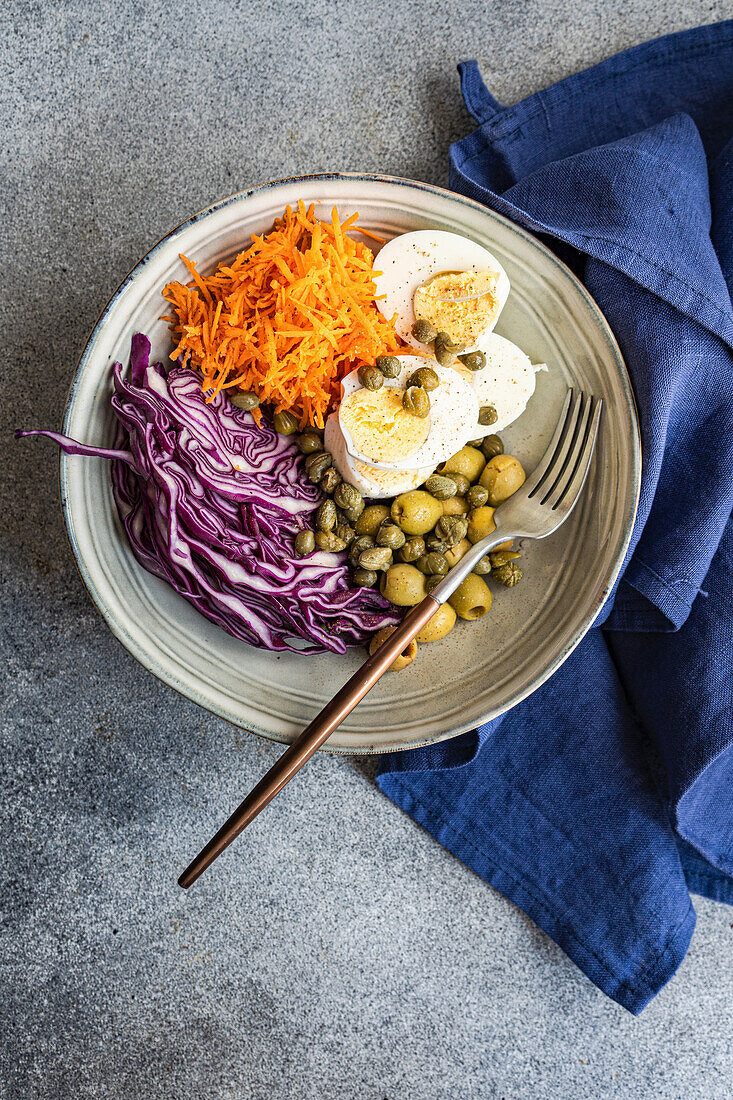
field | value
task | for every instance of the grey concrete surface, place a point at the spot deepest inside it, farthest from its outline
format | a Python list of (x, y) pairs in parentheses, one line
[(337, 951)]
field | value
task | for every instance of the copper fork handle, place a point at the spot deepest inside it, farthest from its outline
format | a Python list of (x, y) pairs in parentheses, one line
[(312, 737)]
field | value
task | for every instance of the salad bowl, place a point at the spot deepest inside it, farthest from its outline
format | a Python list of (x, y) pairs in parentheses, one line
[(478, 671)]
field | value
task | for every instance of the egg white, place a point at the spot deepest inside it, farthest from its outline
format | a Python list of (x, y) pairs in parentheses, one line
[(507, 382), (372, 483), (411, 259), (453, 415)]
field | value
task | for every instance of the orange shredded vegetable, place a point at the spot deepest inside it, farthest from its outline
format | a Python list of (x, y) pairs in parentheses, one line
[(287, 319)]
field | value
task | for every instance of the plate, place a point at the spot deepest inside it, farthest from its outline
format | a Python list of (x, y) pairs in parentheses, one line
[(480, 669)]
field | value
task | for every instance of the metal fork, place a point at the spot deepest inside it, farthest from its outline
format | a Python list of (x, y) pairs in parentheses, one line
[(541, 505)]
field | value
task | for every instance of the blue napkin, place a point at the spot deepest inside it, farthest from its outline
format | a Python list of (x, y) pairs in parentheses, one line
[(599, 803)]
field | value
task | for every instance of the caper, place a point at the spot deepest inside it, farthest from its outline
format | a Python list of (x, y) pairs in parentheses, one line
[(377, 558), (347, 496), (416, 401), (442, 488), (327, 540), (423, 331), (246, 400), (365, 578), (285, 423), (358, 546), (502, 477), (346, 533), (305, 543), (389, 534), (475, 443), (432, 582), (477, 496), (351, 515), (508, 575), (471, 599), (433, 563), (371, 378), (482, 566), (389, 365), (461, 481), (487, 415), (416, 512), (425, 377), (501, 557), (492, 446), (474, 360), (451, 529), (309, 443), (330, 479), (444, 349), (413, 549), (370, 519), (432, 542), (316, 465), (326, 516), (403, 585)]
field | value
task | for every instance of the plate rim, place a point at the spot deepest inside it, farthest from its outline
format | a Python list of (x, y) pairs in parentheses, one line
[(190, 691)]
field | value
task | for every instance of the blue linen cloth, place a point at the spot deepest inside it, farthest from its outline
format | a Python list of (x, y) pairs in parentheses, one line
[(599, 803)]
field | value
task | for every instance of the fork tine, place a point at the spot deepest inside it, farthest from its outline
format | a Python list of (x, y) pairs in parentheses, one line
[(539, 471), (567, 497), (555, 457)]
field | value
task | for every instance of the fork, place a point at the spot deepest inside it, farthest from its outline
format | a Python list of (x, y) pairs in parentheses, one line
[(538, 508)]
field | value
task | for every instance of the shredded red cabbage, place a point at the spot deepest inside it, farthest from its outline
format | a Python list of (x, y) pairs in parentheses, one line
[(212, 503)]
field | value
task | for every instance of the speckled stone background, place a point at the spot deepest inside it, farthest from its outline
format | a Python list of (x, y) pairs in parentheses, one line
[(337, 951)]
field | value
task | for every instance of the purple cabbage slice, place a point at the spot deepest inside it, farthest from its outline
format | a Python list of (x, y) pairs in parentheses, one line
[(212, 503)]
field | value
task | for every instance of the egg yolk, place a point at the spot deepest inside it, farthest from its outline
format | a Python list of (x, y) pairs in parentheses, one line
[(463, 320), (379, 427)]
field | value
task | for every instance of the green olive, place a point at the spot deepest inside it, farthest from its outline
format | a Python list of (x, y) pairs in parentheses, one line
[(330, 480), (455, 553), (371, 378), (477, 496), (285, 423), (326, 516), (441, 624), (405, 658), (502, 477), (305, 543), (327, 540), (310, 443), (451, 529), (413, 549), (358, 546), (246, 400), (482, 566), (365, 578), (316, 465), (389, 365), (416, 401), (480, 523), (424, 377), (346, 533), (378, 558), (501, 557), (508, 575), (474, 360), (492, 446), (468, 461), (416, 512), (471, 599), (442, 488), (403, 585), (462, 482), (456, 506), (487, 415), (423, 331), (347, 496), (370, 519), (444, 349), (389, 534)]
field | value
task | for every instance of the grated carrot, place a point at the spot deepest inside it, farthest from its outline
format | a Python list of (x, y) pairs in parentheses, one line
[(287, 319)]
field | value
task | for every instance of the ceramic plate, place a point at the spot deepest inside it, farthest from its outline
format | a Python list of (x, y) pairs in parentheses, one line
[(482, 668)]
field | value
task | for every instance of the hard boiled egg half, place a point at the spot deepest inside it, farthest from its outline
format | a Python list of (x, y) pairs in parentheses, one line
[(507, 382), (452, 282), (381, 447)]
